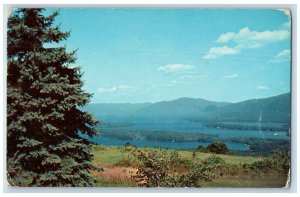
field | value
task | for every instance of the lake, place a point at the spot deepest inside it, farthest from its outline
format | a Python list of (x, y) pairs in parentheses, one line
[(172, 145), (181, 126)]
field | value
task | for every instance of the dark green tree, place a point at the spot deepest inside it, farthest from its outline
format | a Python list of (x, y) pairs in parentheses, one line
[(44, 96), (217, 148)]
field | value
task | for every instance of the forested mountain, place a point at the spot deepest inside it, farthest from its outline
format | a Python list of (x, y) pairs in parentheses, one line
[(272, 109)]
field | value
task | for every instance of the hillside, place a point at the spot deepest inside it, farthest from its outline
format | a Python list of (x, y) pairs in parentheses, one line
[(179, 108), (272, 109)]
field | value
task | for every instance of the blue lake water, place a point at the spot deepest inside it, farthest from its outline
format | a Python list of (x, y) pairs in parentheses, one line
[(184, 126), (148, 143), (188, 126)]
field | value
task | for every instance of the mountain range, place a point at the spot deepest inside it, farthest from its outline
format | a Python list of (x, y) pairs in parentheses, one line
[(274, 109)]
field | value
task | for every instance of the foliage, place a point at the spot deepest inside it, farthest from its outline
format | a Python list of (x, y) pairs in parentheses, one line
[(278, 161), (110, 155), (217, 148), (214, 165), (154, 168), (264, 166), (168, 169), (231, 174), (192, 178), (127, 159), (177, 162), (43, 96), (281, 160), (261, 146)]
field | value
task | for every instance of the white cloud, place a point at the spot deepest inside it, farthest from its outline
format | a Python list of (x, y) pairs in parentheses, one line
[(176, 68), (263, 87), (225, 37), (217, 52), (245, 39), (284, 53), (282, 56), (231, 76), (115, 89)]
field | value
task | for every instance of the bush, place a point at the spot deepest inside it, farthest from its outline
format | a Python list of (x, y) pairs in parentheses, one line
[(191, 178), (279, 161), (178, 163), (153, 169), (214, 165), (264, 166), (217, 148), (168, 169)]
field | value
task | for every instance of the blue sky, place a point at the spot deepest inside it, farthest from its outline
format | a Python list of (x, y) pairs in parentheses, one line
[(150, 55)]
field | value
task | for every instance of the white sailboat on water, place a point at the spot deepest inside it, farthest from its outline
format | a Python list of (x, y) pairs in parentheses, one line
[(259, 124), (260, 117)]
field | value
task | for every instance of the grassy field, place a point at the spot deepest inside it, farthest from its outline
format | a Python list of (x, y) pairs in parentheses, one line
[(116, 174), (110, 155)]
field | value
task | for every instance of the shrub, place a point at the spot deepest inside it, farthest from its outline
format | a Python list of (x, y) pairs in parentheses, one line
[(153, 169), (281, 161), (217, 148), (264, 166), (192, 178), (176, 162), (168, 169), (214, 165)]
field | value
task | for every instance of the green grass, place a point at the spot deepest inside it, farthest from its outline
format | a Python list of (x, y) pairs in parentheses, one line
[(110, 155), (229, 159)]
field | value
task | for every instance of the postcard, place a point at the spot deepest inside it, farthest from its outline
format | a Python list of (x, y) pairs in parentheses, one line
[(148, 97)]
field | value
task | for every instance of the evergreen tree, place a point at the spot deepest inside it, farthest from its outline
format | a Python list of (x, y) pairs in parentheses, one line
[(44, 97)]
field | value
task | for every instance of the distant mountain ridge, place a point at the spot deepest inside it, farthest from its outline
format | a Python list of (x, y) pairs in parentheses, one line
[(272, 109)]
